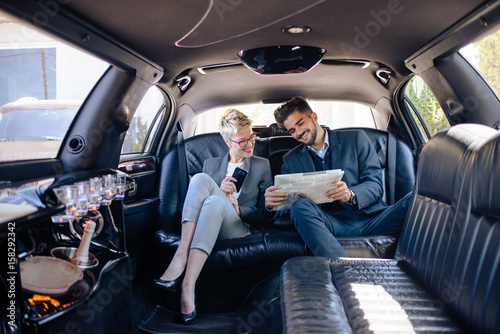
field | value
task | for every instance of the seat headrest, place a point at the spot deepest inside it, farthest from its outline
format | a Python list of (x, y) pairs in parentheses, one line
[(276, 130), (485, 195), (202, 147), (282, 144), (444, 158)]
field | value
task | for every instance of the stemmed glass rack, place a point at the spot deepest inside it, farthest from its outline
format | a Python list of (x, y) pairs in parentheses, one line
[(89, 195)]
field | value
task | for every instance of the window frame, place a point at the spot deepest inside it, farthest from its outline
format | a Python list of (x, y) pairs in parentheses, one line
[(153, 133), (405, 103), (477, 68), (414, 110)]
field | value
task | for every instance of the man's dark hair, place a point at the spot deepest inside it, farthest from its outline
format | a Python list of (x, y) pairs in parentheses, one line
[(296, 104)]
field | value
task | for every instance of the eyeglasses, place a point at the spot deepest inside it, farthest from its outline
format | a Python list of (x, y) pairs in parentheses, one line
[(244, 142)]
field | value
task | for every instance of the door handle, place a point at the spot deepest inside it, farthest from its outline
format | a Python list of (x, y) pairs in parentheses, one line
[(135, 167)]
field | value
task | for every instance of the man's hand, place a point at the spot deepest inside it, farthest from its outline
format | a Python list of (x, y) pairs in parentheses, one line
[(339, 192), (227, 185), (273, 199)]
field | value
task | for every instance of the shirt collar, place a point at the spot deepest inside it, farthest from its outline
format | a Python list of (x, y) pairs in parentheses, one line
[(322, 151)]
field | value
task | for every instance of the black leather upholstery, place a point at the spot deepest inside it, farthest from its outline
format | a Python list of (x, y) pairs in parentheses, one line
[(313, 304), (449, 268), (373, 246), (319, 295), (454, 243), (381, 296), (269, 245), (260, 247), (278, 147), (198, 149)]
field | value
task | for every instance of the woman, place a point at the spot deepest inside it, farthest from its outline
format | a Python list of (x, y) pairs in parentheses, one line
[(214, 210)]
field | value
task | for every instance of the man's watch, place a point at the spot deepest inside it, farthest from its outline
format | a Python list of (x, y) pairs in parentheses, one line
[(354, 199)]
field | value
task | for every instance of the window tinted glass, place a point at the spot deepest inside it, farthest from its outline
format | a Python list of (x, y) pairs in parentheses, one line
[(484, 55), (424, 108), (415, 117), (43, 82), (144, 122), (331, 113)]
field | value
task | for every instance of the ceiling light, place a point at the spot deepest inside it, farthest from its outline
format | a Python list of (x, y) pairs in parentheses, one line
[(296, 30)]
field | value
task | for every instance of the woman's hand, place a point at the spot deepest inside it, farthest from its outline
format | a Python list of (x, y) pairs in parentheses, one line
[(234, 202), (227, 185)]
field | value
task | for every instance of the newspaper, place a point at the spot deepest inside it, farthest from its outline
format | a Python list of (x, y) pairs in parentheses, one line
[(306, 185)]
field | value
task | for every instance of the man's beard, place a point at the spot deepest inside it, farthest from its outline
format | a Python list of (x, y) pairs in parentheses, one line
[(313, 133)]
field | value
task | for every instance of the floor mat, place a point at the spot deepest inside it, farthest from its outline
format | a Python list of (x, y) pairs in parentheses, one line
[(261, 313), (162, 321)]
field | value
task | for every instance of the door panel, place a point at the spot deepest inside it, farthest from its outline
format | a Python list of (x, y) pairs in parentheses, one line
[(141, 203)]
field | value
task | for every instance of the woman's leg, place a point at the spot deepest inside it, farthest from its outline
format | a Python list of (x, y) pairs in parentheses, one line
[(217, 220), (196, 260), (200, 187), (178, 263), (217, 214), (210, 209)]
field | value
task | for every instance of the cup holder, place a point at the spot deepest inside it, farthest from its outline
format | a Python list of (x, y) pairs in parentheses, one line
[(67, 253)]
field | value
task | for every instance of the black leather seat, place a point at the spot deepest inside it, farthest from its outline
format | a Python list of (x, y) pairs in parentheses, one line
[(446, 274), (277, 243)]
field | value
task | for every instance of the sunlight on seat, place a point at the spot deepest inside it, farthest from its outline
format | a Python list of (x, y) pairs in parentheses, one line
[(380, 310)]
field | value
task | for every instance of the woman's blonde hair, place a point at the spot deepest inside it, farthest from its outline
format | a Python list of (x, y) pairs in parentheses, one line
[(233, 121)]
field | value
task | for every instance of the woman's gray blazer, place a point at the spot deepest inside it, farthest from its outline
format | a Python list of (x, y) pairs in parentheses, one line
[(251, 200)]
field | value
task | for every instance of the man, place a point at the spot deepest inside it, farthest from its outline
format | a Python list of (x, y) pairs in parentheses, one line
[(358, 208)]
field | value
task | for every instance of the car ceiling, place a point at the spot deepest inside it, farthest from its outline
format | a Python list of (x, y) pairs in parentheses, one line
[(183, 35)]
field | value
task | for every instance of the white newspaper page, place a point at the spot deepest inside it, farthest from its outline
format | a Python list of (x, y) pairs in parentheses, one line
[(307, 185)]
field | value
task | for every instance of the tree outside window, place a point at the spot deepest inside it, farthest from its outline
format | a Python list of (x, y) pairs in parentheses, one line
[(421, 98)]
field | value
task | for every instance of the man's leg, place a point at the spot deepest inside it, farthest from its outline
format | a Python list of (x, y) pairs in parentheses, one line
[(390, 221), (316, 229)]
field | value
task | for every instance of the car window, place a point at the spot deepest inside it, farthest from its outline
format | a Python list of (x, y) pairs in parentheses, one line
[(484, 55), (333, 114), (145, 121), (43, 82), (424, 108)]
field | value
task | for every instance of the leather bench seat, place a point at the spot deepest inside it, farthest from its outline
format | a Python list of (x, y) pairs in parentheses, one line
[(268, 246), (446, 272), (260, 247), (359, 296), (280, 241)]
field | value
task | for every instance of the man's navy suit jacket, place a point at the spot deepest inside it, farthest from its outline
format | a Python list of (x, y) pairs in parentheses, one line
[(353, 152)]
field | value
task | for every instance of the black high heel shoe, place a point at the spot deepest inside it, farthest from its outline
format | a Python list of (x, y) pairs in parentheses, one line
[(169, 285), (190, 318)]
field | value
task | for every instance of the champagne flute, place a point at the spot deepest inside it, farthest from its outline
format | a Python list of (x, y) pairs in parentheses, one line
[(94, 194), (82, 199), (120, 184), (108, 189), (66, 195)]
